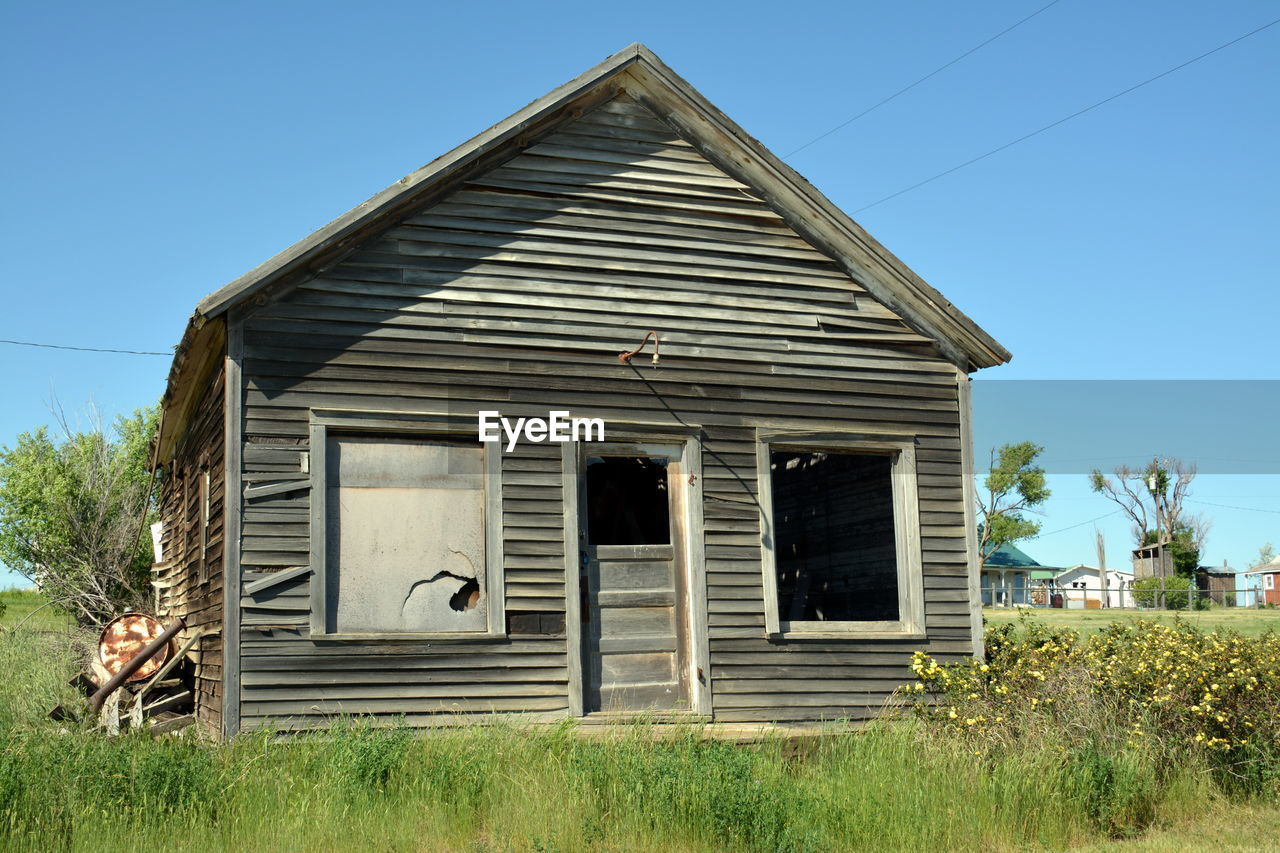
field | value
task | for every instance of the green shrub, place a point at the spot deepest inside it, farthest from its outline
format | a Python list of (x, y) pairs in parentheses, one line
[(1159, 694), (1170, 593)]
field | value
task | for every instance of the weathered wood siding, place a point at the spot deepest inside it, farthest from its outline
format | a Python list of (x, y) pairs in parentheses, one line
[(189, 579), (516, 293)]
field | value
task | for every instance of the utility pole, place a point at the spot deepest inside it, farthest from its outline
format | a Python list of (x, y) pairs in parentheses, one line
[(1153, 483), (1102, 564)]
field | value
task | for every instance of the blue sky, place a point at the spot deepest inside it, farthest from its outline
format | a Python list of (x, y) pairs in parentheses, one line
[(155, 151)]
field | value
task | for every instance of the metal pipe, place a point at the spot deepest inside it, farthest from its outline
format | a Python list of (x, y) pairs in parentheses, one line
[(625, 357), (148, 652), (168, 665)]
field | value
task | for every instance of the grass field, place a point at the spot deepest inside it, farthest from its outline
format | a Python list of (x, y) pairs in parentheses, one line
[(17, 605), (1246, 620), (897, 786)]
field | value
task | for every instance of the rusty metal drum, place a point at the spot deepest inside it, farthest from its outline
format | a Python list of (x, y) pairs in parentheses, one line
[(127, 635)]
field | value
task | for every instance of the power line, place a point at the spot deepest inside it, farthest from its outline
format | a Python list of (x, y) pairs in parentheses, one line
[(1076, 114), (1074, 526), (82, 349), (908, 88), (1227, 506)]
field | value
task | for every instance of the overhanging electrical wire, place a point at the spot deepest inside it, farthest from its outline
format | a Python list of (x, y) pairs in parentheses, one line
[(82, 349), (1228, 506), (1066, 119), (1074, 526), (911, 86)]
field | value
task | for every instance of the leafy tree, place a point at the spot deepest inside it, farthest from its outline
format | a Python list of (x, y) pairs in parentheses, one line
[(73, 513), (1266, 554), (1014, 486)]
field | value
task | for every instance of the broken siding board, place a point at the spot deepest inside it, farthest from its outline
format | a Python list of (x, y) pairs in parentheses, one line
[(454, 679), (661, 257), (789, 360), (462, 689), (802, 345), (434, 721), (726, 382), (324, 709), (500, 206)]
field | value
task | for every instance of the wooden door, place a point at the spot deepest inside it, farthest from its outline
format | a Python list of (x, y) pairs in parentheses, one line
[(634, 579)]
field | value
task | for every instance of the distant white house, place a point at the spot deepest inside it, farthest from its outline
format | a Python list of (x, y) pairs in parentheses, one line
[(1081, 587)]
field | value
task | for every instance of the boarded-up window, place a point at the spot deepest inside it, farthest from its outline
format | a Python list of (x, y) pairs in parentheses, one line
[(405, 535), (836, 549)]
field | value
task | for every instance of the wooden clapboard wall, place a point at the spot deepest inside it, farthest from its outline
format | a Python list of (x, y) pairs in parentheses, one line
[(188, 580), (516, 292)]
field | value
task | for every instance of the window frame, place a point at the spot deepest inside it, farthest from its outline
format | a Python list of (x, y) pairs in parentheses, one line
[(403, 425), (1268, 581), (906, 523)]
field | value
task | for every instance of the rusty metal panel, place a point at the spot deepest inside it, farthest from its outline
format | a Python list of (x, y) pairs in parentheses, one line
[(124, 637), (406, 535)]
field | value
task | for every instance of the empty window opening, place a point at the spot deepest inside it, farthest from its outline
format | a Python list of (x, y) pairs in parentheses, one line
[(836, 549), (627, 501)]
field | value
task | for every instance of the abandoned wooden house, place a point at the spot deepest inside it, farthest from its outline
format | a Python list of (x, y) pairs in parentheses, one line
[(776, 517)]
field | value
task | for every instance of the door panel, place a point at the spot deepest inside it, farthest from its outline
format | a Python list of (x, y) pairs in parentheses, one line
[(634, 645)]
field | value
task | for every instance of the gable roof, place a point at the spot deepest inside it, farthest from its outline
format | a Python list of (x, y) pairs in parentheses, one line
[(1265, 568), (1008, 556), (641, 74), (1078, 567)]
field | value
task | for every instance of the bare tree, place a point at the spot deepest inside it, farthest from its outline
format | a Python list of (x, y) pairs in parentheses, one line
[(1153, 496)]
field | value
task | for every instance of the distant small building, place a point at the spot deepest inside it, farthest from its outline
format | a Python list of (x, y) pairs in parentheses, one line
[(1081, 587), (1007, 578), (1153, 561), (1227, 587), (1268, 576)]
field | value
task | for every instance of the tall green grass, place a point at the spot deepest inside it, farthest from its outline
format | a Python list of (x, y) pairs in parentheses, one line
[(891, 787), (895, 786), (34, 669)]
